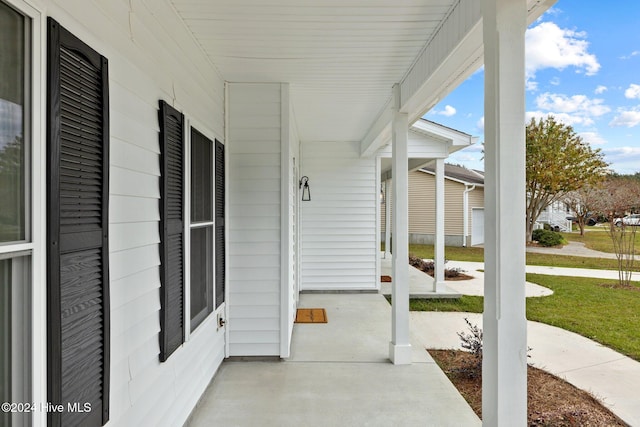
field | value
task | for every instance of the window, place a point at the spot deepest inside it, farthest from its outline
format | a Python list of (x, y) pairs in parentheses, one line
[(201, 251), (15, 217), (201, 228), (15, 332), (14, 122)]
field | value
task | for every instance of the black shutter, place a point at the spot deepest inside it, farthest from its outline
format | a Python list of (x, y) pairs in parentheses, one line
[(77, 240), (171, 230), (219, 233)]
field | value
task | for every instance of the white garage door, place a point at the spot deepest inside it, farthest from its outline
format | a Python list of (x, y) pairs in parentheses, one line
[(477, 226)]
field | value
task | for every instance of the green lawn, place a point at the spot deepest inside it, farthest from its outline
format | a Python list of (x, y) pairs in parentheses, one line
[(609, 316), (597, 238), (477, 255)]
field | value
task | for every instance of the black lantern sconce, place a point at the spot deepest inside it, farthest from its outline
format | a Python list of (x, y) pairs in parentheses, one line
[(306, 192), (382, 194)]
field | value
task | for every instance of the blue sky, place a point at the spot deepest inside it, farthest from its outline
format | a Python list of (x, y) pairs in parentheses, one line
[(583, 66)]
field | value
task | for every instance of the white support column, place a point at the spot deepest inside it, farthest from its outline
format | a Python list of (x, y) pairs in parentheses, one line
[(504, 367), (438, 247), (399, 347), (387, 219)]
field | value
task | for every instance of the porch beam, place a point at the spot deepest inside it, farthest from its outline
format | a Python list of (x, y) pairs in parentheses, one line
[(387, 219), (448, 59), (380, 131), (438, 257), (399, 347), (504, 366)]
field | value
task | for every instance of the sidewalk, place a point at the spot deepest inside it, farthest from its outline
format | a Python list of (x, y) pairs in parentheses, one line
[(573, 249), (421, 284), (472, 268)]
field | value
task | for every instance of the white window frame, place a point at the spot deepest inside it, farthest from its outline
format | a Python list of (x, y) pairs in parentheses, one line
[(190, 123), (35, 245)]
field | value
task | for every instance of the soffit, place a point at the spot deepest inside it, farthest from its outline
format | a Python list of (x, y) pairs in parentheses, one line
[(341, 57)]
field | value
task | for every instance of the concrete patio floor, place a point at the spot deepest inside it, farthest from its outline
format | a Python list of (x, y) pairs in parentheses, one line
[(338, 374)]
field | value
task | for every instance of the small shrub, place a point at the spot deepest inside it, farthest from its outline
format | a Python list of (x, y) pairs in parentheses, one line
[(547, 238), (452, 272), (416, 262), (429, 267), (472, 342), (535, 236)]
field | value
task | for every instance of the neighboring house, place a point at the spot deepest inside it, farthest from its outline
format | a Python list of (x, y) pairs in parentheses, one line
[(558, 215), (153, 153), (463, 188)]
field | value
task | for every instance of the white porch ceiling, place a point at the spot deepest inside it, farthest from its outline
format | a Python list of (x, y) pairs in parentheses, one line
[(342, 57)]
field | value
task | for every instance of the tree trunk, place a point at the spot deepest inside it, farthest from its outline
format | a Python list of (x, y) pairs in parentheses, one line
[(530, 224)]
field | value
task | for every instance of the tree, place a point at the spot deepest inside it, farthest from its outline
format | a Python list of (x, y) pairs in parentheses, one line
[(618, 196), (558, 161), (584, 202)]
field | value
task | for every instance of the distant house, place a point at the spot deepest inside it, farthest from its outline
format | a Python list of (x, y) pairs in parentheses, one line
[(464, 206), (558, 215)]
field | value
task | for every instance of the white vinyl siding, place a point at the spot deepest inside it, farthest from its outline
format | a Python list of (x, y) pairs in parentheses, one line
[(254, 279), (338, 225), (151, 56), (420, 146)]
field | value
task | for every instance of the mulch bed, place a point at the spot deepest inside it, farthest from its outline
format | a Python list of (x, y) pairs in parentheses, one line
[(460, 276), (551, 401), (428, 268)]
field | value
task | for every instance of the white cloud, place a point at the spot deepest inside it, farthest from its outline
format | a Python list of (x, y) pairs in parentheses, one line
[(570, 110), (579, 104), (593, 138), (448, 111), (478, 147), (600, 89), (463, 157), (631, 55), (480, 124), (633, 91), (555, 81), (623, 159), (567, 119), (549, 46), (628, 118)]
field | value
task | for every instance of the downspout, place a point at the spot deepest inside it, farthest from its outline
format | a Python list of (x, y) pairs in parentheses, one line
[(465, 214)]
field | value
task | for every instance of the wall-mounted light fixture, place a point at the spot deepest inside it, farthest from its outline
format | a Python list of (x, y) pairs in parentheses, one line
[(306, 192), (381, 194)]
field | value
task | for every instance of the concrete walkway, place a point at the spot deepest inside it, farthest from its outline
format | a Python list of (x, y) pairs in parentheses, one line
[(572, 249), (472, 268), (421, 284), (338, 374)]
